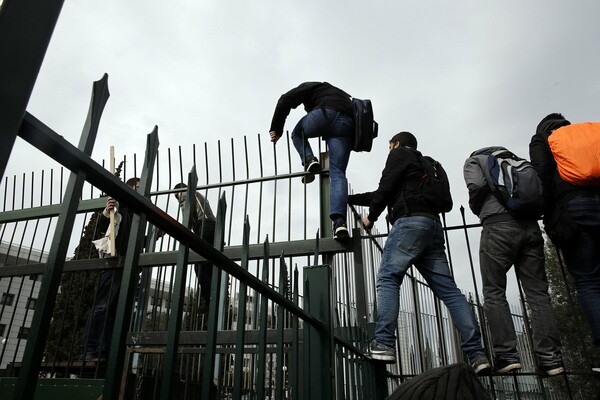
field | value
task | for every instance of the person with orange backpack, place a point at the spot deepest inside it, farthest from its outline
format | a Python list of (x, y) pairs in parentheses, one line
[(565, 158)]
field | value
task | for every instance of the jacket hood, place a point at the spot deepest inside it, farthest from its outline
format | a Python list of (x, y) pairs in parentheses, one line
[(547, 127), (487, 150)]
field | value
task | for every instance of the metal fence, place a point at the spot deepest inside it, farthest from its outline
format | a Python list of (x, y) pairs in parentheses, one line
[(292, 310)]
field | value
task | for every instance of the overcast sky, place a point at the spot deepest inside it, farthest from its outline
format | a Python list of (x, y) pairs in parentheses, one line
[(460, 75)]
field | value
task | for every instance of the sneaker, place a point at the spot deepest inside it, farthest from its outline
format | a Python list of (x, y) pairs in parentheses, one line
[(481, 365), (506, 367), (340, 230), (381, 352), (596, 366), (312, 167), (552, 369), (92, 356)]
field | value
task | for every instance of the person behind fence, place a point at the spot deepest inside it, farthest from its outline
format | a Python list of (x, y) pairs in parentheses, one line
[(329, 115), (572, 211), (98, 330), (416, 238), (203, 224), (512, 237)]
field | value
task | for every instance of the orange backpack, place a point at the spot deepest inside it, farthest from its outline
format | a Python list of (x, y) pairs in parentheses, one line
[(576, 149)]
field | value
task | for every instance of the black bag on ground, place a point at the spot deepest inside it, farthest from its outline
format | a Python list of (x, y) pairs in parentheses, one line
[(453, 382), (365, 127)]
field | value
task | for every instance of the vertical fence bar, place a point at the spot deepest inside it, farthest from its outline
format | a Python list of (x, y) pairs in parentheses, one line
[(295, 369), (34, 350), (178, 294), (130, 278), (238, 373), (280, 325), (319, 381), (216, 310), (262, 339)]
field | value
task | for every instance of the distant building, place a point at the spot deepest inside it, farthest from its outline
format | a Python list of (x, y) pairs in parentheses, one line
[(18, 296)]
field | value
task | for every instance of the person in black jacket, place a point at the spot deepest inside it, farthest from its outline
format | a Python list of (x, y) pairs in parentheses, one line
[(101, 320), (572, 221), (416, 238), (329, 115), (203, 224)]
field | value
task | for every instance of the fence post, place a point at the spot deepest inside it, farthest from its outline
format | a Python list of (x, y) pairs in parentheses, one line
[(359, 281), (34, 349), (319, 380), (325, 196)]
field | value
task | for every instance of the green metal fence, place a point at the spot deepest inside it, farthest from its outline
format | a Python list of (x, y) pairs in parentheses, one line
[(283, 345), (291, 318), (291, 310)]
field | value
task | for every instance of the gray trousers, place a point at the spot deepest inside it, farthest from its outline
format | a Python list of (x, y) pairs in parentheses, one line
[(518, 243)]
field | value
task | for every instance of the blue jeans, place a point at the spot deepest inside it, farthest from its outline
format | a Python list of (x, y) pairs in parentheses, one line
[(582, 256), (101, 320), (518, 243), (337, 129), (419, 241)]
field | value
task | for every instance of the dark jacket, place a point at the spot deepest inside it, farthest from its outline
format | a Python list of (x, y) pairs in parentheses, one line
[(203, 210), (396, 190), (313, 95), (557, 192)]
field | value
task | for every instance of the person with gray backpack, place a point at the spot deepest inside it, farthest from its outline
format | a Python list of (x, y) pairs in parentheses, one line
[(505, 193)]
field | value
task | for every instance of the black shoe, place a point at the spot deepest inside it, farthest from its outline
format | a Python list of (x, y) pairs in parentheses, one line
[(381, 352), (505, 367), (340, 230), (553, 369), (312, 166), (481, 365)]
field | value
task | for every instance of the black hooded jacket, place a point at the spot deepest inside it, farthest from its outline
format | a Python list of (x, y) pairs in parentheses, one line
[(313, 95), (557, 192), (396, 191)]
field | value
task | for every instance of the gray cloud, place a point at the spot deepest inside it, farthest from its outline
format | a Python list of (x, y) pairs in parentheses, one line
[(460, 75)]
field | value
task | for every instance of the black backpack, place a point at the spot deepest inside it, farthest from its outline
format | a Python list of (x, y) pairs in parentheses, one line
[(434, 185), (429, 185), (365, 127)]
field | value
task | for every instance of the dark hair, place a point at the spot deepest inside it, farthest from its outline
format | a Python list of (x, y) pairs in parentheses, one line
[(180, 185), (131, 182), (406, 139), (550, 117)]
